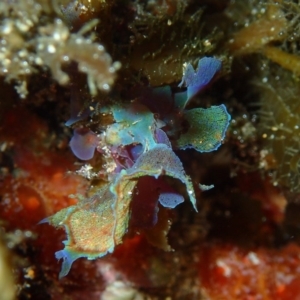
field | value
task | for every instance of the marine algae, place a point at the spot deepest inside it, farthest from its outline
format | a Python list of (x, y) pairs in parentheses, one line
[(140, 148)]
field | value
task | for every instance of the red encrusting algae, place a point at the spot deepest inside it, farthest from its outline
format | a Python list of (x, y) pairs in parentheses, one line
[(231, 272)]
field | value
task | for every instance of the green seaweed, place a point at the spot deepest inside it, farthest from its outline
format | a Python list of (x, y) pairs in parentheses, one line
[(207, 128), (97, 224)]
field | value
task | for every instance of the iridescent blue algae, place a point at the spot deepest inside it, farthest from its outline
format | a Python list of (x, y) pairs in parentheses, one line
[(195, 81), (139, 145), (134, 124), (170, 200)]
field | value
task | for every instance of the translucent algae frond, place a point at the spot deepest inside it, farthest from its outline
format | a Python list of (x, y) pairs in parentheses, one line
[(197, 80), (161, 160), (134, 124), (84, 143)]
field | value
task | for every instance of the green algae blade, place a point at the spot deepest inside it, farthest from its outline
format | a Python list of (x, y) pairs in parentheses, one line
[(207, 128), (94, 226)]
